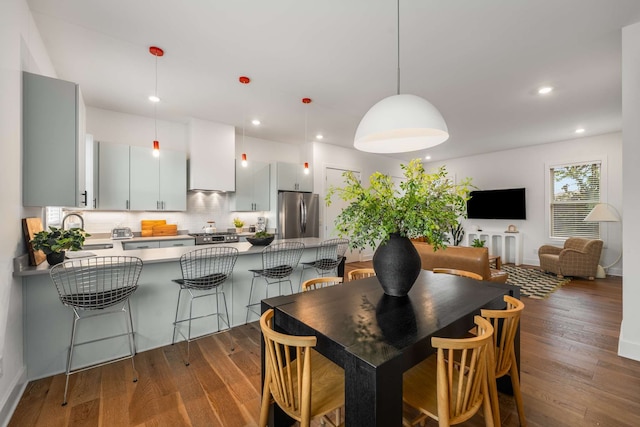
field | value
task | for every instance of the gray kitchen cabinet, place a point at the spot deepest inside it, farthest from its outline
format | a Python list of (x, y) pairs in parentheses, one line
[(53, 159), (177, 242), (291, 177), (157, 183), (252, 187), (127, 246), (112, 176)]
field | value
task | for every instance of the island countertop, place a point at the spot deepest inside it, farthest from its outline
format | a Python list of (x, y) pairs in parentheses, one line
[(151, 255)]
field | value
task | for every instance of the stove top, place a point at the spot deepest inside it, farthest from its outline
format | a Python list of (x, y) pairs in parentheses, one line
[(217, 237)]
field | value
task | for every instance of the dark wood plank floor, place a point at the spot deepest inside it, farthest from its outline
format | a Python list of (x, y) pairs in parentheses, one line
[(571, 375)]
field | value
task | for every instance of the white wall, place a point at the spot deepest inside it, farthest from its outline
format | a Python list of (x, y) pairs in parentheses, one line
[(527, 167), (22, 49), (129, 129), (629, 345)]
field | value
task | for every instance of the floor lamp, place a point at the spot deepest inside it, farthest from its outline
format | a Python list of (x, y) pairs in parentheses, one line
[(604, 212)]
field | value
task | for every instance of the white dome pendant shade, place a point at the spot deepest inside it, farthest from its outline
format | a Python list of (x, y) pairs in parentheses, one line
[(401, 123)]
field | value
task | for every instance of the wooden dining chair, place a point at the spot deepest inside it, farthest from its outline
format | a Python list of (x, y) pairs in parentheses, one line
[(505, 323), (455, 272), (320, 282), (451, 385), (360, 273), (302, 382)]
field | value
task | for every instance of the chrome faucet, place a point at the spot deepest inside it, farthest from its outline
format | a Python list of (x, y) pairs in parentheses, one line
[(73, 214)]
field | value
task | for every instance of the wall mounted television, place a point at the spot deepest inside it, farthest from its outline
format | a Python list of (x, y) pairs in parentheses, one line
[(497, 204)]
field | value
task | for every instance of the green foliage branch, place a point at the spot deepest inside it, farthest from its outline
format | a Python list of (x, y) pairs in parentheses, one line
[(58, 240)]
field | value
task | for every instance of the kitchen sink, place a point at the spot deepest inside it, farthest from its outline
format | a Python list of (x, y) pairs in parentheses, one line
[(95, 246)]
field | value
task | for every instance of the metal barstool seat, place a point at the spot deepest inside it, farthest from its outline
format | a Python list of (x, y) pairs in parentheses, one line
[(279, 260), (328, 257), (91, 285), (204, 272)]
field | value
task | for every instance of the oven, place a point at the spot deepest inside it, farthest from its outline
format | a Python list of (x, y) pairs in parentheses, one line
[(213, 238)]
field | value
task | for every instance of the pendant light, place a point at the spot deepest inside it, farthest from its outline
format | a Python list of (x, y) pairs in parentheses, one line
[(245, 81), (155, 51), (306, 101), (400, 123)]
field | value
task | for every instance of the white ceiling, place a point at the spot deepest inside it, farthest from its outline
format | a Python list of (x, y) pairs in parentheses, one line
[(479, 62)]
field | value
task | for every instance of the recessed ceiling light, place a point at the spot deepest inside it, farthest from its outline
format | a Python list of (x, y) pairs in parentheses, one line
[(154, 98), (545, 90), (319, 136), (427, 157), (580, 130), (255, 122)]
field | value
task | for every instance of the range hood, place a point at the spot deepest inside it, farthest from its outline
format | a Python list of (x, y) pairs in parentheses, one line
[(211, 156)]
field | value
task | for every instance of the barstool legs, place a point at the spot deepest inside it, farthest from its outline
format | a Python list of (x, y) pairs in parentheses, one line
[(76, 317)]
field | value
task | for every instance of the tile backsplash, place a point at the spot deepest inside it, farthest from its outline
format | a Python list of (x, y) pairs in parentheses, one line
[(201, 207)]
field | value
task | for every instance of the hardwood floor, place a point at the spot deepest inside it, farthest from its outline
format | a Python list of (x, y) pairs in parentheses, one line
[(570, 375)]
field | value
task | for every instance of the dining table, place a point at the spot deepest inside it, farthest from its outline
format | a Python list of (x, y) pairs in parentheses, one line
[(375, 337)]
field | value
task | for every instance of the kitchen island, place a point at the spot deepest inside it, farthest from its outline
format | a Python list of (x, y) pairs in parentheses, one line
[(47, 323)]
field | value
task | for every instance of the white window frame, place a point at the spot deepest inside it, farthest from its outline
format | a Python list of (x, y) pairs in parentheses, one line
[(549, 192)]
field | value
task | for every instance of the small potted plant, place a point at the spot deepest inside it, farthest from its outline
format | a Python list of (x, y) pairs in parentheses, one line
[(424, 205), (56, 241), (238, 223), (477, 243)]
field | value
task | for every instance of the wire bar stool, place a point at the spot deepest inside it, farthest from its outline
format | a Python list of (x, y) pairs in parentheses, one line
[(204, 272), (328, 256), (90, 285), (278, 262)]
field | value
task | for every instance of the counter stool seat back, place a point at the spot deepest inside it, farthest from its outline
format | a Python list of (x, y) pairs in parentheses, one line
[(329, 255), (90, 285), (204, 272), (279, 260)]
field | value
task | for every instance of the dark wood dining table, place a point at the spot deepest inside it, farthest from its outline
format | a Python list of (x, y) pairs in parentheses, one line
[(376, 338)]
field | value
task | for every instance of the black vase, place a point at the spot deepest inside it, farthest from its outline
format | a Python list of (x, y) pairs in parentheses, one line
[(397, 265), (55, 258)]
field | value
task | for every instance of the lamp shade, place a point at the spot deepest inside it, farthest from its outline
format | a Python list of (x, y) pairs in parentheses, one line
[(401, 123), (603, 212)]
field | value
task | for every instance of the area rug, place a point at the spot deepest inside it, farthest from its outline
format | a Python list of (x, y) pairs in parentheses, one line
[(534, 283)]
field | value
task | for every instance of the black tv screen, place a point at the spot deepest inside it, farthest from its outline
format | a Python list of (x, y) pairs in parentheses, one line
[(497, 204)]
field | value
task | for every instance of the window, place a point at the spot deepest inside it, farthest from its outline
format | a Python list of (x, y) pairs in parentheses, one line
[(575, 190)]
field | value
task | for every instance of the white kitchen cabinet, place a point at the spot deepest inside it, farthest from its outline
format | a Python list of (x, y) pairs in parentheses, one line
[(252, 187), (53, 160), (112, 176), (157, 183), (291, 177), (153, 244)]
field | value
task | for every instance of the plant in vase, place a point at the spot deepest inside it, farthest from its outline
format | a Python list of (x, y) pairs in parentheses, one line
[(238, 223), (56, 241), (426, 205)]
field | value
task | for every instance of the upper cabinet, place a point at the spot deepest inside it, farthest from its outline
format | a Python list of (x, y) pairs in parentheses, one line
[(252, 187), (112, 176), (130, 177), (157, 183), (211, 156), (291, 177), (53, 160)]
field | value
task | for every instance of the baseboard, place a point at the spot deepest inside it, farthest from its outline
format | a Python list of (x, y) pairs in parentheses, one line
[(16, 390), (626, 348)]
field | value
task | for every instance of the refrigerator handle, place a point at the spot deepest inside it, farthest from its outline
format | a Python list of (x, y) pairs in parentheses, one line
[(303, 216)]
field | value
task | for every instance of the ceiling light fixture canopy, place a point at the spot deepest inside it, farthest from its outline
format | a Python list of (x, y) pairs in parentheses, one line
[(155, 51), (400, 123)]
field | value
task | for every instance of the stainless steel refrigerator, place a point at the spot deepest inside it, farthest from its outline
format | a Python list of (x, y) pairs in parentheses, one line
[(298, 215)]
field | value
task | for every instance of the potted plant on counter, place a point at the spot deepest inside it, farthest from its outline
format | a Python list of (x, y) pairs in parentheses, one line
[(56, 241), (238, 223), (386, 216)]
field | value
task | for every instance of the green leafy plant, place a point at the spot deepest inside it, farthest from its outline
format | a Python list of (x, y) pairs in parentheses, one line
[(262, 235), (237, 222), (477, 243), (57, 240), (426, 205)]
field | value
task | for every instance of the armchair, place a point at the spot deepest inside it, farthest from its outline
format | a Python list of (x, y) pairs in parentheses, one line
[(579, 257)]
